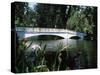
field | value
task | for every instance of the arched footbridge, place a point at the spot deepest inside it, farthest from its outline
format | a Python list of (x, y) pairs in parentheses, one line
[(25, 32)]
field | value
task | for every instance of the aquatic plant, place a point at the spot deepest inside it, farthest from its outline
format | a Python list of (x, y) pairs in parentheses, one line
[(41, 59)]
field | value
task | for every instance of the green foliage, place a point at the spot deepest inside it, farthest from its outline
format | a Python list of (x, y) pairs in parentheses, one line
[(79, 22), (20, 9), (23, 66), (77, 18)]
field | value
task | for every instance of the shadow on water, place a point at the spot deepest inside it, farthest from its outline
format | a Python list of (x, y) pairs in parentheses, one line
[(45, 37)]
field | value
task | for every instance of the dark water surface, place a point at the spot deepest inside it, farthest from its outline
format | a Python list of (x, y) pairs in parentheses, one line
[(88, 49)]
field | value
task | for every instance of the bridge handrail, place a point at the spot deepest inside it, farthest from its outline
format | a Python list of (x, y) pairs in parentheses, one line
[(27, 29)]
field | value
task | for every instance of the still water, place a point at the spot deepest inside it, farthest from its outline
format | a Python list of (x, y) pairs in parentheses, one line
[(89, 48)]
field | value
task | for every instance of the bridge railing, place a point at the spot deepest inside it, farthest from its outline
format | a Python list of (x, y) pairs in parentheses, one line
[(40, 29), (27, 29)]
